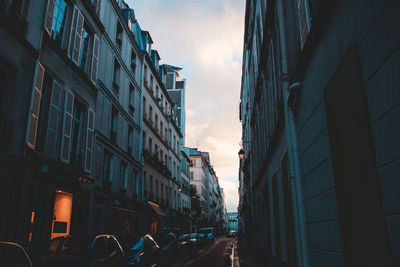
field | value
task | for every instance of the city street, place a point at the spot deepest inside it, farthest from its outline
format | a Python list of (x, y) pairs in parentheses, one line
[(217, 254)]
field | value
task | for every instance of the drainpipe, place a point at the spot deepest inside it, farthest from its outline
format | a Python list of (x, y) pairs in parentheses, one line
[(294, 166), (141, 190)]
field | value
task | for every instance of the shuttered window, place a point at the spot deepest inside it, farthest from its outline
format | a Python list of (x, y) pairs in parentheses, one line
[(95, 59), (60, 18), (89, 140), (67, 126), (35, 106), (75, 40), (55, 113), (304, 20), (49, 16)]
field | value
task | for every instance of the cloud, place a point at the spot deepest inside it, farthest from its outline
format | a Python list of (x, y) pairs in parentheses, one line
[(206, 39)]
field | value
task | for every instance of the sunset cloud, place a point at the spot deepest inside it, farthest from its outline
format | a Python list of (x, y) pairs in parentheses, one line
[(205, 38)]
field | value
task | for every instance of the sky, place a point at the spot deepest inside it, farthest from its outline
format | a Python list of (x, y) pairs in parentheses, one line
[(205, 38)]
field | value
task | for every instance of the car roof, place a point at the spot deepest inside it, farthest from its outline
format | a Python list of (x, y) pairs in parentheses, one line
[(19, 246)]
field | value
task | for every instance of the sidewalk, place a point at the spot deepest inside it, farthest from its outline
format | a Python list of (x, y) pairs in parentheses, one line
[(248, 258)]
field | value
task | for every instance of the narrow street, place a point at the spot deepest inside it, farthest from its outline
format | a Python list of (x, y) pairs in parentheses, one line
[(217, 254)]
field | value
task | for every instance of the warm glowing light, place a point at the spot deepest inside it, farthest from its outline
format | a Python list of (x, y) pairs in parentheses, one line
[(30, 237), (62, 214), (33, 217)]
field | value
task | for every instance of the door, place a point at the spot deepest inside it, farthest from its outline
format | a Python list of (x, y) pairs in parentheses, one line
[(362, 225)]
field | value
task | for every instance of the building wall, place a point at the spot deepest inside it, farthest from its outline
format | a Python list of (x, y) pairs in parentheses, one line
[(339, 32)]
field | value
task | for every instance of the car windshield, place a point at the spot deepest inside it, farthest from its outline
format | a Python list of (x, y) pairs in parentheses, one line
[(182, 238), (72, 246), (205, 231)]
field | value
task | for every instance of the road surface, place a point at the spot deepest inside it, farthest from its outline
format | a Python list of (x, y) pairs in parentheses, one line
[(217, 254)]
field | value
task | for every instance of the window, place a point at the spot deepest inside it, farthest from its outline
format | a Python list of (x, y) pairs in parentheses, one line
[(150, 145), (114, 125), (162, 196), (144, 140), (145, 75), (77, 144), (133, 61), (157, 192), (118, 38), (156, 122), (151, 83), (131, 99), (51, 116), (144, 108), (107, 166), (161, 128), (60, 17), (304, 20), (191, 176), (151, 185), (161, 155), (157, 94), (130, 140), (116, 77), (87, 36), (156, 150), (123, 173), (150, 114)]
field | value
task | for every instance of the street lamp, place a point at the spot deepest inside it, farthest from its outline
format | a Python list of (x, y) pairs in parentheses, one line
[(241, 153)]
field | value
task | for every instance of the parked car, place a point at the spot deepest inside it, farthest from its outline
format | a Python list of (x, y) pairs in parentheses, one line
[(13, 254), (232, 233), (144, 253), (207, 234), (183, 244), (168, 249), (101, 250), (194, 240)]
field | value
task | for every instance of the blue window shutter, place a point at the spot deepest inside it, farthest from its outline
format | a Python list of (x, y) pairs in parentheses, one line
[(78, 38), (35, 106), (89, 141), (67, 126), (54, 120), (72, 32), (49, 16), (95, 59)]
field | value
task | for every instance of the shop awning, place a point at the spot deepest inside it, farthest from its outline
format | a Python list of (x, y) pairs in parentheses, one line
[(156, 209)]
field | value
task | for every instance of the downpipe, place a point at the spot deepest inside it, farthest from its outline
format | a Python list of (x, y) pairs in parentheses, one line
[(294, 166)]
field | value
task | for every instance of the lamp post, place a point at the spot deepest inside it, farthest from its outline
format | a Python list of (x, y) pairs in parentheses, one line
[(241, 151)]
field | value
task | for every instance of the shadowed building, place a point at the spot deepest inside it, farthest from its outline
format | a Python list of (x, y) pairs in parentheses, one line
[(319, 112)]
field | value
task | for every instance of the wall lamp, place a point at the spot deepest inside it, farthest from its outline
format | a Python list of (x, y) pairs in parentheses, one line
[(241, 151)]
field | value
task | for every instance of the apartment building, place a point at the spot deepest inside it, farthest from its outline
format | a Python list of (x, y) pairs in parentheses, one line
[(319, 112)]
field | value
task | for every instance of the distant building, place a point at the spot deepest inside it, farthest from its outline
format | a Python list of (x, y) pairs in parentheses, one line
[(203, 176), (233, 221)]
